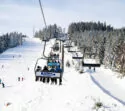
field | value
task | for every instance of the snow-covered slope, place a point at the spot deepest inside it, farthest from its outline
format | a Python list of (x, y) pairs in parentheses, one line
[(78, 92)]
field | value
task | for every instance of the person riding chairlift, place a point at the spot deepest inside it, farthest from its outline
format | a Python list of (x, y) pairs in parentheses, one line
[(57, 55), (52, 69), (45, 69), (58, 69), (38, 68)]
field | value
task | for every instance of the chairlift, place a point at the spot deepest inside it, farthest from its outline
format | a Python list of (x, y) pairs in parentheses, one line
[(77, 57), (45, 40), (51, 72), (73, 51), (91, 64), (67, 46), (94, 65), (54, 56), (47, 73), (63, 39)]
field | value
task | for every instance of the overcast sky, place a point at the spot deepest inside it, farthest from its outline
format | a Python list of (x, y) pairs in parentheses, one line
[(23, 15)]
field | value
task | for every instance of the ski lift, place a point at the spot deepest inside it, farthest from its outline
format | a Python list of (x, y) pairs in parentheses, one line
[(77, 57), (73, 51), (54, 56), (67, 46), (91, 62), (45, 40), (50, 72)]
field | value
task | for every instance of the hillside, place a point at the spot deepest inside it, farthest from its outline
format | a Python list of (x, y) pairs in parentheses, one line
[(78, 92)]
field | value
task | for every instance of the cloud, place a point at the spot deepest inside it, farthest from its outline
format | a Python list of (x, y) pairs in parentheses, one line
[(22, 16)]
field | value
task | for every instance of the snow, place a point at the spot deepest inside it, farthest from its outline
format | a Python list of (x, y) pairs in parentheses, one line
[(91, 61), (78, 92)]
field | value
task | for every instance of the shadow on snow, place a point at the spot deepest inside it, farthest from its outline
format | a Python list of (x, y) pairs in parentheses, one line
[(106, 91)]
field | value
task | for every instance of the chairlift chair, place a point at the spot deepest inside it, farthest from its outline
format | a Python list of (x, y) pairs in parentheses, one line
[(67, 46), (46, 75), (77, 57)]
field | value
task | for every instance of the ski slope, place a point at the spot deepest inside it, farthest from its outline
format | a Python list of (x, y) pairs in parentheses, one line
[(78, 92)]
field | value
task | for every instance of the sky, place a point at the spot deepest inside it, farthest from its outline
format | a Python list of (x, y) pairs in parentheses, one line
[(24, 15)]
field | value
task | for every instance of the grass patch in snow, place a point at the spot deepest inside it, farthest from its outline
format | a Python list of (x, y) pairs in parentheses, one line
[(97, 105), (81, 71)]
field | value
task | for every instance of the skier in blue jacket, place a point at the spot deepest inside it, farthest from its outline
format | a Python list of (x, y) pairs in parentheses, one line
[(58, 69)]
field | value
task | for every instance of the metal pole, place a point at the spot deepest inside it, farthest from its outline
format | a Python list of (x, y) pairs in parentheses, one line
[(60, 46), (63, 57)]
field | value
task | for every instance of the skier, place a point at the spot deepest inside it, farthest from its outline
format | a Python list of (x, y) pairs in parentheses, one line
[(58, 69), (0, 81), (67, 64), (2, 66), (3, 85), (52, 69), (38, 68), (18, 78), (45, 69), (22, 78)]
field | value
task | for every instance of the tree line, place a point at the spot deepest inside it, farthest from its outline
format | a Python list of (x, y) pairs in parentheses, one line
[(10, 40), (98, 40), (52, 31), (87, 26)]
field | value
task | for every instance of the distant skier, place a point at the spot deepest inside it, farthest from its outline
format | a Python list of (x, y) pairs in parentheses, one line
[(0, 81), (3, 85), (28, 68), (18, 78), (2, 66), (67, 64), (22, 78), (38, 68)]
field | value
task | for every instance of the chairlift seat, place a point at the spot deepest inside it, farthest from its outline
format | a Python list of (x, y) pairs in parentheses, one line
[(67, 46), (47, 40), (77, 57), (48, 74), (91, 65), (73, 51), (53, 64)]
